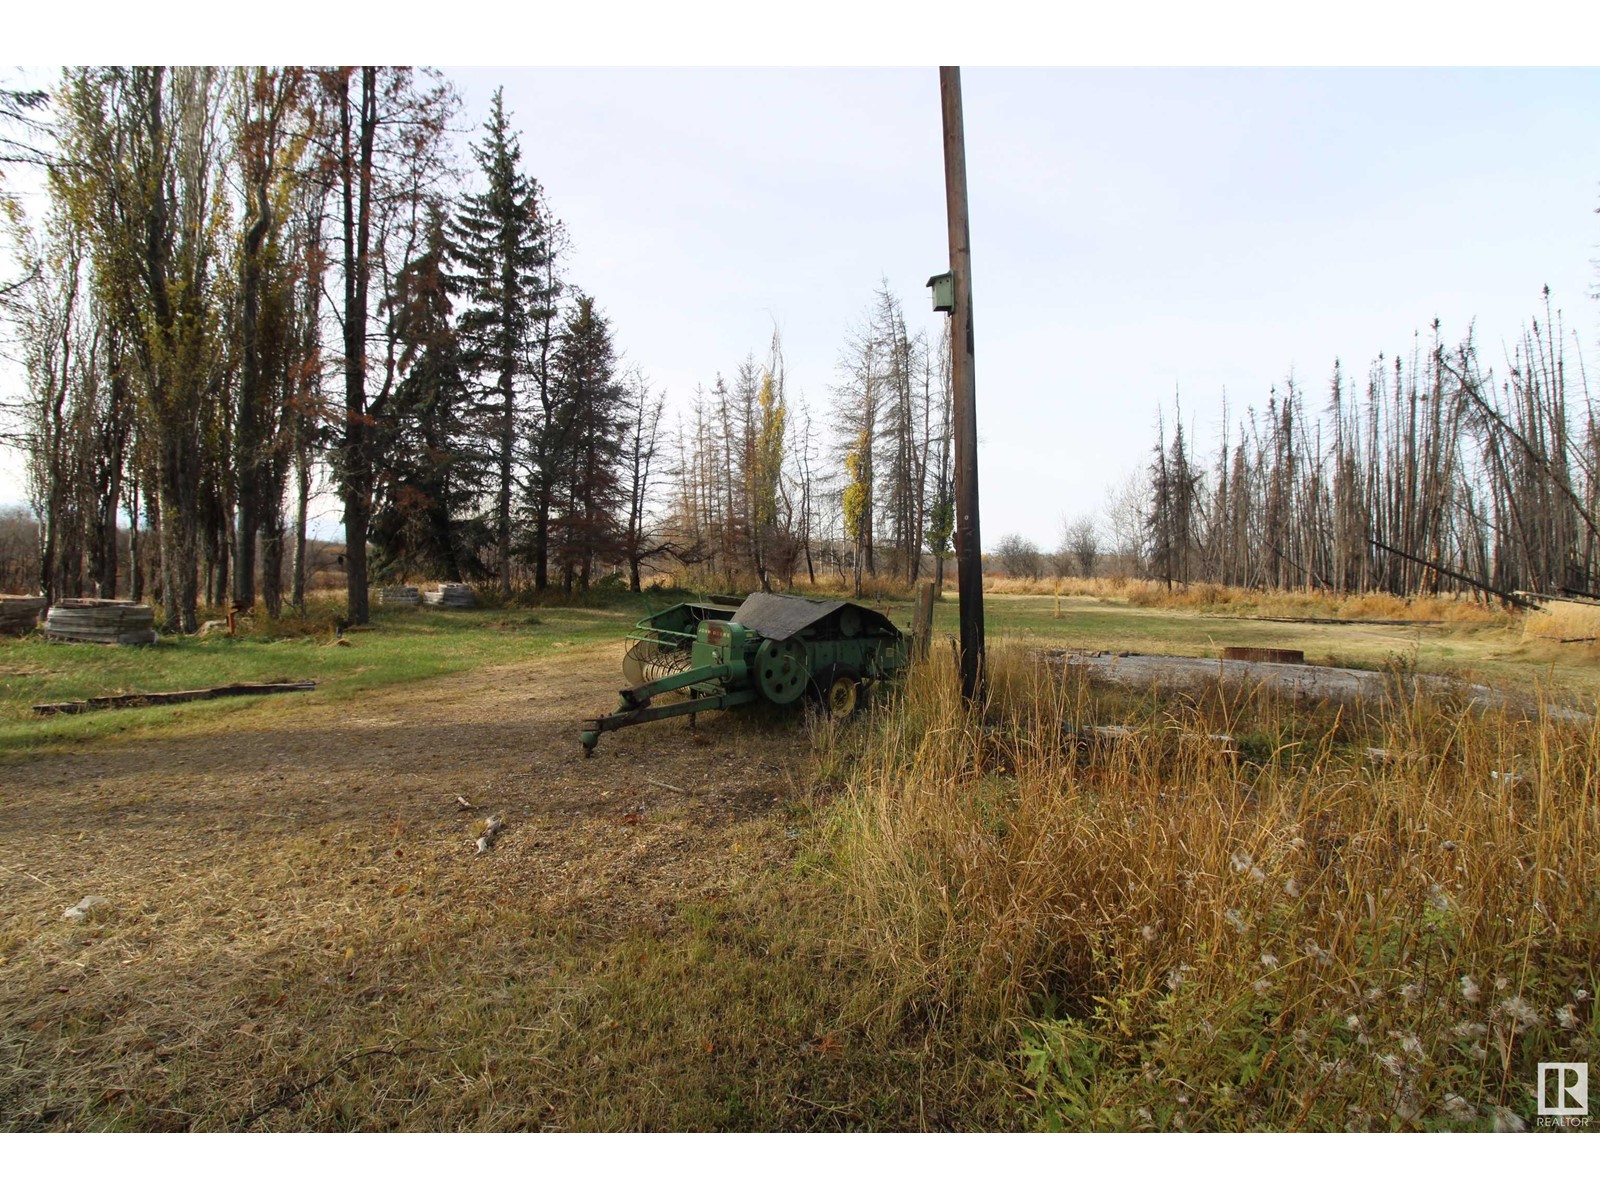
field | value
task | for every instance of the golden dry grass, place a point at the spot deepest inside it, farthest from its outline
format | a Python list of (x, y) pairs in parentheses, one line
[(1568, 622), (1297, 936), (919, 921), (300, 936), (1217, 599)]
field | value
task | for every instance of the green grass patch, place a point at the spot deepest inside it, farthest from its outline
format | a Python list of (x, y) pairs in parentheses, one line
[(401, 646)]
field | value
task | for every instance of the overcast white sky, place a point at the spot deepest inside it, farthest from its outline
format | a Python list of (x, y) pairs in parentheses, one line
[(1135, 232)]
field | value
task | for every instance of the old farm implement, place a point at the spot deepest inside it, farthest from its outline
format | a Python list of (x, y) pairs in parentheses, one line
[(779, 650)]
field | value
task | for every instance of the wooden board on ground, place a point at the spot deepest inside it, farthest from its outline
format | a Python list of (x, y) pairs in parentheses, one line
[(1325, 620), (142, 699), (1266, 654)]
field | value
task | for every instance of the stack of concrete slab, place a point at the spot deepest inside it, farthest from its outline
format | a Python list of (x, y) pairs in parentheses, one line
[(115, 622), (399, 596), (451, 595), (19, 614)]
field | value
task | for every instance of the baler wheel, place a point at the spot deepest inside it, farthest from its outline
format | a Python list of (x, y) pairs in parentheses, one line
[(839, 691)]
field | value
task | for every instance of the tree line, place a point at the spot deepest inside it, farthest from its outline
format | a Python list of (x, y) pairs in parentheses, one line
[(1431, 473), (247, 280), (247, 276), (764, 490)]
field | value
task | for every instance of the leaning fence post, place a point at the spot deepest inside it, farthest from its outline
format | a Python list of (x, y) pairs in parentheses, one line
[(922, 622)]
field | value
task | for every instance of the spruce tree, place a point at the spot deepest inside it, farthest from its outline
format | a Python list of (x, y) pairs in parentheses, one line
[(585, 444), (501, 248), (427, 461)]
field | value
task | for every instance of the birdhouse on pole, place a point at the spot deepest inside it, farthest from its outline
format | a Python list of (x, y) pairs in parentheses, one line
[(944, 292)]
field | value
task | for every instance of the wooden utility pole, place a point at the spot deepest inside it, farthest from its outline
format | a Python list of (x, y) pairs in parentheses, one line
[(969, 545)]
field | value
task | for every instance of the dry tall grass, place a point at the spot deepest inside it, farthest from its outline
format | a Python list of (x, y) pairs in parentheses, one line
[(1170, 936), (1566, 621), (1365, 606), (1261, 602), (875, 589)]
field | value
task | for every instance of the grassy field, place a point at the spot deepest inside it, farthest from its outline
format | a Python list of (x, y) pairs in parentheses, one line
[(300, 937), (1481, 644), (402, 646), (918, 920), (406, 645)]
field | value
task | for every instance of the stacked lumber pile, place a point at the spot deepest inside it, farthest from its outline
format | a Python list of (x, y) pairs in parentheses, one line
[(451, 595), (18, 614), (117, 622), (400, 596)]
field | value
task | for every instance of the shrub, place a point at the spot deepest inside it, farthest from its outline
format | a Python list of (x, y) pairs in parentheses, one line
[(1019, 557)]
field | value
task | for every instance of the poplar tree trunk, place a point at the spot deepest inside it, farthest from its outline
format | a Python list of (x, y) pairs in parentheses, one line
[(302, 473), (356, 185)]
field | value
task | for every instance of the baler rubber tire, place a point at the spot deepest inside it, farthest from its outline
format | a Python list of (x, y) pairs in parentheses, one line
[(829, 695)]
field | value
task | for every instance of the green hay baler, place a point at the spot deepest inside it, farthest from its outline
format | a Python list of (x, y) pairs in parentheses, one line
[(773, 649)]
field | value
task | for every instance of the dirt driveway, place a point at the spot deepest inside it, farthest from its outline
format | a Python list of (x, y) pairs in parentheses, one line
[(390, 768), (294, 894)]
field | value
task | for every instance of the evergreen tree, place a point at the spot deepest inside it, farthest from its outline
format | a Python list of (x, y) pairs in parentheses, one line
[(501, 246), (585, 444), (427, 463), (1172, 524)]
